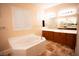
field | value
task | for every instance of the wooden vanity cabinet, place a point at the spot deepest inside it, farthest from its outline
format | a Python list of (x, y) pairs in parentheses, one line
[(48, 35), (62, 38)]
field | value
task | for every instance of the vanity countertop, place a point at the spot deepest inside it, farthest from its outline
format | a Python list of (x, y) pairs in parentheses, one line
[(61, 30)]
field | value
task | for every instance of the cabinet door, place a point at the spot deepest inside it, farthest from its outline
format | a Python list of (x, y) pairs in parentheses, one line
[(44, 34), (60, 38), (71, 40), (48, 35)]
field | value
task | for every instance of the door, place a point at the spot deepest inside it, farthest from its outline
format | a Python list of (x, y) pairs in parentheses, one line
[(71, 40), (4, 44), (77, 41)]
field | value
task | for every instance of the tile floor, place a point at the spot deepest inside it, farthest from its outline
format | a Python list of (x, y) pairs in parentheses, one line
[(55, 49)]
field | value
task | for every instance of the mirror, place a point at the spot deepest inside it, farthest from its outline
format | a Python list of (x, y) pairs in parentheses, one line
[(64, 19)]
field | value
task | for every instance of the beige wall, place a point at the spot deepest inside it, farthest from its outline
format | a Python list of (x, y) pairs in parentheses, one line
[(7, 15), (6, 21)]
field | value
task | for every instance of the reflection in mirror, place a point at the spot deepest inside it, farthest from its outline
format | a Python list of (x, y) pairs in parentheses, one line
[(69, 22), (49, 20)]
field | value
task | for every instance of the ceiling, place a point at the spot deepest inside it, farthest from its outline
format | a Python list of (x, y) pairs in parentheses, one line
[(46, 5)]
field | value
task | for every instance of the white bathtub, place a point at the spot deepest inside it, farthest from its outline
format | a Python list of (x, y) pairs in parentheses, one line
[(28, 45)]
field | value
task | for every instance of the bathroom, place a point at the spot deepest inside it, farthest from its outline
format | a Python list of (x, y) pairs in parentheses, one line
[(39, 29)]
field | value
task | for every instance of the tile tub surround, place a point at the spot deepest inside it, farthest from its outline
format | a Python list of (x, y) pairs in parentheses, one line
[(55, 49)]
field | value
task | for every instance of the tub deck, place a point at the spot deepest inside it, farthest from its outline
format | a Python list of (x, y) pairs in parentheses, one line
[(27, 45)]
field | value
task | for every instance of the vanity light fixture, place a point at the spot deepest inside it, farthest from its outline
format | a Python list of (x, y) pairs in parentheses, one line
[(68, 11)]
